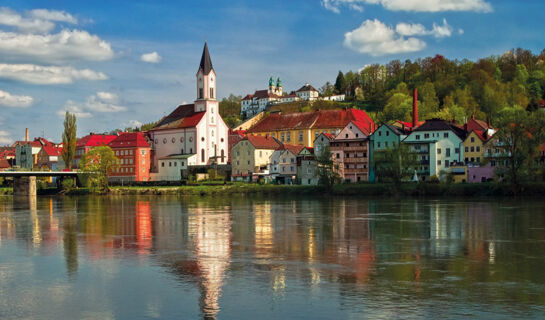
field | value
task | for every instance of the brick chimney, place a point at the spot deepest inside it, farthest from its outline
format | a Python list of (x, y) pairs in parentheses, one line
[(26, 134), (415, 108)]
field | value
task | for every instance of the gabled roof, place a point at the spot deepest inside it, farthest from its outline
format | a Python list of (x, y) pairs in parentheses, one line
[(184, 116), (361, 125), (260, 142), (52, 151), (4, 164), (328, 135), (261, 94), (474, 124), (206, 62), (248, 97), (95, 140), (130, 140), (320, 119), (441, 125), (397, 130), (295, 149), (307, 87)]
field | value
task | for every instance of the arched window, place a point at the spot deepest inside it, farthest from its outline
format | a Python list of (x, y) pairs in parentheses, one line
[(222, 155), (202, 155)]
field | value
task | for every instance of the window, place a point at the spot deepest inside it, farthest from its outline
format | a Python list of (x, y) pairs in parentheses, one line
[(222, 155), (467, 149), (162, 164), (164, 140), (248, 162), (202, 155), (445, 134), (417, 137), (292, 160), (346, 136), (347, 155), (212, 93), (378, 144), (438, 162), (448, 152), (175, 163), (365, 154), (291, 168), (338, 155), (143, 152), (357, 135), (447, 164), (200, 93), (122, 161), (301, 136), (386, 144), (472, 149), (282, 136), (387, 133), (479, 159), (472, 139), (438, 150), (457, 150), (426, 135), (170, 164), (116, 153), (380, 133), (288, 136), (478, 149)]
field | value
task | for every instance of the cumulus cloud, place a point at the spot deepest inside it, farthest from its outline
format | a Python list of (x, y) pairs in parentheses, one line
[(152, 57), (13, 101), (35, 74), (104, 102), (375, 38), (62, 46), (438, 31), (5, 138), (75, 109), (411, 5), (35, 21)]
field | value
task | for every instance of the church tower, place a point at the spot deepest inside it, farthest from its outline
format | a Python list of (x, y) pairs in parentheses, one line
[(206, 81)]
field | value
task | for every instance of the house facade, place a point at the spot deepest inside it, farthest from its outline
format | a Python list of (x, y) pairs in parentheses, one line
[(307, 167), (438, 144), (251, 156), (26, 152), (303, 128), (350, 151), (50, 158), (307, 92), (133, 151), (283, 165), (193, 129), (386, 136), (322, 143), (85, 144)]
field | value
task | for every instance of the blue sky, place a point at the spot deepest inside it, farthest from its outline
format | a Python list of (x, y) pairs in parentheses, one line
[(87, 56)]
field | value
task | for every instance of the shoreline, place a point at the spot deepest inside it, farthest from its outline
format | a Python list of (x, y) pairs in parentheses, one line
[(362, 189)]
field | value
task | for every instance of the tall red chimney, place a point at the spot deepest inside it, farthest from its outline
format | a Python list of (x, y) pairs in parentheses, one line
[(26, 134), (415, 108)]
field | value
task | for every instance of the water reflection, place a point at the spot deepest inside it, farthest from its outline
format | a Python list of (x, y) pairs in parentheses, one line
[(381, 256)]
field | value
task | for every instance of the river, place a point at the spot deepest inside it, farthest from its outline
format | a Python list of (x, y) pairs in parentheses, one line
[(168, 257)]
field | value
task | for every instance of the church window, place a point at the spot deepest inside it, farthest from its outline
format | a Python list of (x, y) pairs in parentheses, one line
[(202, 155), (200, 93), (190, 139), (173, 140), (202, 139), (221, 139), (212, 130), (182, 139), (164, 140), (211, 92)]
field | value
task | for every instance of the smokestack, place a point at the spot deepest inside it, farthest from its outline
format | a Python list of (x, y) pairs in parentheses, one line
[(26, 134), (415, 108)]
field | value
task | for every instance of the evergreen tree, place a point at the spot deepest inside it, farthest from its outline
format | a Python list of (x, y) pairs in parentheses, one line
[(340, 83)]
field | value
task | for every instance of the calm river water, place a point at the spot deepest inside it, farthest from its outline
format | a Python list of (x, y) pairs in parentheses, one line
[(270, 258)]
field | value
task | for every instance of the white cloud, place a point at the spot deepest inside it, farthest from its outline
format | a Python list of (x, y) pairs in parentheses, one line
[(412, 5), (53, 15), (5, 138), (375, 38), (14, 101), (74, 108), (438, 31), (62, 46), (35, 74), (152, 57), (132, 124), (104, 102)]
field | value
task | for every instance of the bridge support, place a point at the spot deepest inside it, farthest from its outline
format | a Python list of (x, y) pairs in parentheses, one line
[(24, 186)]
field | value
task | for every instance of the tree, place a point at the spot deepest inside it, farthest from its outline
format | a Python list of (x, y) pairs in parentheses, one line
[(69, 139), (395, 164), (398, 107), (340, 83), (97, 163), (230, 110), (328, 170)]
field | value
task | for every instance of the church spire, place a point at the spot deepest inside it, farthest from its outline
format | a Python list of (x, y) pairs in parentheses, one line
[(206, 62)]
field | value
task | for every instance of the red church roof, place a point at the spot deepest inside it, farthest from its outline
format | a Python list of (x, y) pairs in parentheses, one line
[(184, 116), (95, 140), (128, 140)]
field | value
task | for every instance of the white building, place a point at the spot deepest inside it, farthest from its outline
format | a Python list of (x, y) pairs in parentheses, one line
[(307, 92), (195, 132)]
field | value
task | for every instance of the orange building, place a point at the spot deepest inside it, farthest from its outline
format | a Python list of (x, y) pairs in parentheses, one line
[(133, 152)]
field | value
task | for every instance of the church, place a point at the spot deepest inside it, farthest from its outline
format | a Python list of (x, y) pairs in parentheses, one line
[(193, 134)]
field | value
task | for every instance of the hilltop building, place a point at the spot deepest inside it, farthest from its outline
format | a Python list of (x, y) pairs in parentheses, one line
[(193, 134)]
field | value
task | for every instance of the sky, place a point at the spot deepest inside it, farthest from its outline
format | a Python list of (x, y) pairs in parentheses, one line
[(122, 63)]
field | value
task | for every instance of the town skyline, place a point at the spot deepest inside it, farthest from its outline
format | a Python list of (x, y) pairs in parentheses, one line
[(112, 70)]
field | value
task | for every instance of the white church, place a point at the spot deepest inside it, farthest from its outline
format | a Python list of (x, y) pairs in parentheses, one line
[(193, 134)]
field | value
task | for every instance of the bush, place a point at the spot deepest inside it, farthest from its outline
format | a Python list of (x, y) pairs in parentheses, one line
[(67, 184)]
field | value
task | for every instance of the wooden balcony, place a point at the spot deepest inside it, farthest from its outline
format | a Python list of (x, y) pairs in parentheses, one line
[(356, 160)]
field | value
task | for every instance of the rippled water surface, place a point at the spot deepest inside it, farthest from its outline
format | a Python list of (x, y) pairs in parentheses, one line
[(270, 258)]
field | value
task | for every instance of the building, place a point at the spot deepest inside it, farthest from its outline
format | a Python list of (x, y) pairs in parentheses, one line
[(8, 154), (251, 157), (26, 152), (85, 144), (133, 151), (50, 158), (438, 144), (307, 92), (193, 131), (322, 143), (283, 165), (234, 137), (307, 167), (303, 128), (477, 134), (386, 136), (350, 150)]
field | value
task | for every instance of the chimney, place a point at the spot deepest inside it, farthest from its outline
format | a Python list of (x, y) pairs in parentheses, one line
[(415, 108), (26, 134)]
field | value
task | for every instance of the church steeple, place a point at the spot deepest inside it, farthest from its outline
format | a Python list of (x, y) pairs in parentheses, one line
[(206, 62)]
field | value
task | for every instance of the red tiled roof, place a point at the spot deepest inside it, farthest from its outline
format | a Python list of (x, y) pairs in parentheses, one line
[(260, 94), (361, 125), (260, 142), (320, 119), (95, 140), (52, 151), (130, 139), (295, 149), (474, 124), (328, 135), (4, 164), (184, 116), (248, 97)]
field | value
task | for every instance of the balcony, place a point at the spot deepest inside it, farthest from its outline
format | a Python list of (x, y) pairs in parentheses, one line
[(425, 162), (355, 160)]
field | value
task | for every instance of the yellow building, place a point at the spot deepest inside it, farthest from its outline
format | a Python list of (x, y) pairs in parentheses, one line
[(302, 128), (474, 147), (251, 155)]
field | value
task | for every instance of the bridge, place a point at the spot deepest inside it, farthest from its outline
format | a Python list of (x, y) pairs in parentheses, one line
[(24, 182)]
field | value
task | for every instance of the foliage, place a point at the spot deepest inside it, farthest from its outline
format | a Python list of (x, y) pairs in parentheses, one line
[(67, 184), (96, 164), (327, 170), (394, 164), (230, 110), (69, 139)]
